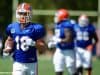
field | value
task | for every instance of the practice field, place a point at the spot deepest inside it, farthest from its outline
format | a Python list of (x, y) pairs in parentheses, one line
[(45, 66)]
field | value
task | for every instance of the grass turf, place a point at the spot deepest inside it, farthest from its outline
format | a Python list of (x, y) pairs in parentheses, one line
[(45, 66)]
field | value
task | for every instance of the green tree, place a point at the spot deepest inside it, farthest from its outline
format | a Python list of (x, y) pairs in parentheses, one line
[(5, 14)]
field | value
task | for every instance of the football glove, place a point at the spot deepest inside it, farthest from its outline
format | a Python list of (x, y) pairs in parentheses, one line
[(30, 42)]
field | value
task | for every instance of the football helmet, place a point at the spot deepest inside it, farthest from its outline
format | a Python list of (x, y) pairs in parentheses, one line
[(83, 20), (60, 15), (24, 13)]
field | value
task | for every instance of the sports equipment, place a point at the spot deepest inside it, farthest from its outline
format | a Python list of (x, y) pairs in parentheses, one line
[(60, 15), (30, 42), (83, 20), (24, 13), (53, 41)]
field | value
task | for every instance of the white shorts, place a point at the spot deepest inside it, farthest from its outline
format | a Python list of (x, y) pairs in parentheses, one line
[(66, 57), (83, 58), (24, 68)]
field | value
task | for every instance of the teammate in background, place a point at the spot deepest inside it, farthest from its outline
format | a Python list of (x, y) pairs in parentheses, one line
[(23, 37), (85, 34), (1, 44), (64, 41)]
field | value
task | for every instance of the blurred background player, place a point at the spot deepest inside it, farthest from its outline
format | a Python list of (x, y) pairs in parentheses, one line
[(1, 44), (85, 34), (64, 41), (22, 39)]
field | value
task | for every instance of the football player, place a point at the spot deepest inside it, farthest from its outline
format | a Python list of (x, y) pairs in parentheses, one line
[(85, 33), (23, 38), (1, 42), (64, 41)]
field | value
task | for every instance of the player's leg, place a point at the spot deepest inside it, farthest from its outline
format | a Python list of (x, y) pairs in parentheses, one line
[(88, 62), (18, 69), (80, 70), (79, 58), (88, 71), (70, 61), (32, 68), (59, 73), (58, 61)]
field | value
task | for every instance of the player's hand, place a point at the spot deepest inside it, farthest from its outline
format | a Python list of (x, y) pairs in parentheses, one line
[(7, 49), (9, 44), (5, 54), (30, 42), (51, 45), (89, 47), (63, 40)]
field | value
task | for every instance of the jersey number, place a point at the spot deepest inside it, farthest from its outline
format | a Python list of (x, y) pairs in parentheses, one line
[(21, 43), (82, 36)]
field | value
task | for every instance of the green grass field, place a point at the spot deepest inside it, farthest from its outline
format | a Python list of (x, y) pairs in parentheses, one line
[(45, 66)]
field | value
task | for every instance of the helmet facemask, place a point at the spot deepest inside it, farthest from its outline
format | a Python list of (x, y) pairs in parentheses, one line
[(24, 15), (83, 20)]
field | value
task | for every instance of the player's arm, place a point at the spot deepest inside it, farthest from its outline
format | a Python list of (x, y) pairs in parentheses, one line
[(9, 43), (68, 36), (40, 38), (53, 42), (1, 45), (1, 42), (41, 45), (95, 38)]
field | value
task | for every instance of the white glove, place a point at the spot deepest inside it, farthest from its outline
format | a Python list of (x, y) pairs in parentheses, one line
[(5, 54), (51, 44), (56, 39), (30, 42)]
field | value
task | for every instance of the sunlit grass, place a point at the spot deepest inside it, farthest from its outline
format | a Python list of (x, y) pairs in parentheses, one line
[(45, 66)]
